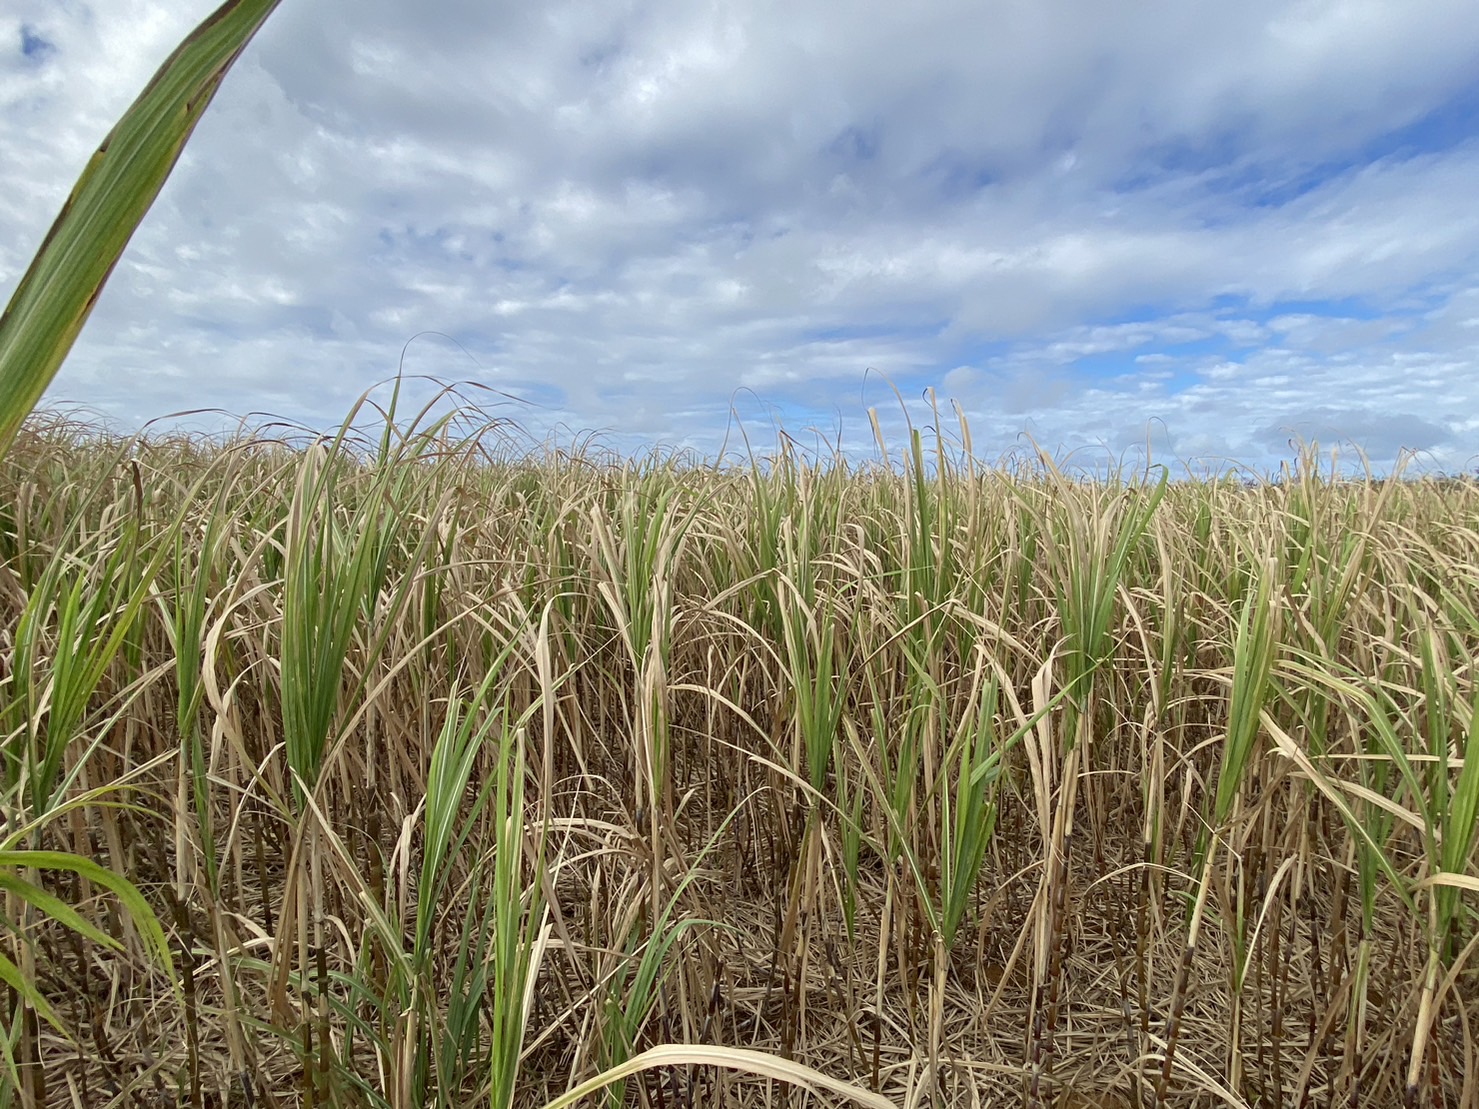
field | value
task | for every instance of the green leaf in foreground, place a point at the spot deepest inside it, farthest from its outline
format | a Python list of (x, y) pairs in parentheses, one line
[(127, 893), (65, 279), (12, 864)]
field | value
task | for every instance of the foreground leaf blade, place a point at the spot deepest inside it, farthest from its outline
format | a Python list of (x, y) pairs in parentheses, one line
[(65, 279)]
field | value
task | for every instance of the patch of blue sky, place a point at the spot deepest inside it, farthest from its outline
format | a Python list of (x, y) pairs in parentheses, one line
[(1449, 125), (1236, 306), (1170, 347), (1225, 163), (1192, 348), (1443, 128), (1185, 157), (856, 144), (1177, 375), (1342, 308), (954, 175), (1127, 369), (34, 45), (1172, 363)]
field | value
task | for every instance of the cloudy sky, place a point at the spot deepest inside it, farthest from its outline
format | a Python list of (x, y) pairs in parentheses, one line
[(1219, 226)]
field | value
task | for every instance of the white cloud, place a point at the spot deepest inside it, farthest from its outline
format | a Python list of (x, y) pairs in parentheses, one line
[(1074, 217)]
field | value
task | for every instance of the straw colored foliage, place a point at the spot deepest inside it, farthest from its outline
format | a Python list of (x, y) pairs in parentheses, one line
[(451, 774)]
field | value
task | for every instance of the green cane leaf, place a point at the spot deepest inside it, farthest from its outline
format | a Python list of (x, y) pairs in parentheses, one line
[(65, 279), (56, 909), (10, 974), (126, 892)]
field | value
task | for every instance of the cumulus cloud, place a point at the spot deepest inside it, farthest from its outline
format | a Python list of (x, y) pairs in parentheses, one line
[(1188, 225)]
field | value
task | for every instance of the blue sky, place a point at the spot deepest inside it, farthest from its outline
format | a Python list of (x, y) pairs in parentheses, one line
[(1214, 228)]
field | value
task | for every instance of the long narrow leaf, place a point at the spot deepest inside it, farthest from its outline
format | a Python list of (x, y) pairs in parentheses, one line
[(65, 279), (126, 892)]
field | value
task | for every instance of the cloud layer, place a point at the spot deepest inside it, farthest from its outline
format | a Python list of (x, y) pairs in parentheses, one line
[(1214, 228)]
